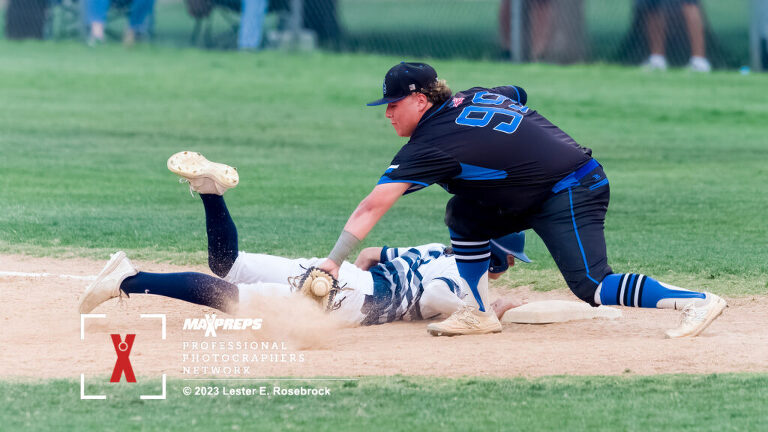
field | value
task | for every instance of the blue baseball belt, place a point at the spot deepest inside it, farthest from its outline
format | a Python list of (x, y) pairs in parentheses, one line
[(573, 178)]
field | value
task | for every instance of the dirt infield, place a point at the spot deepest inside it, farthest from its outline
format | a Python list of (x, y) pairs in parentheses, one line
[(40, 338)]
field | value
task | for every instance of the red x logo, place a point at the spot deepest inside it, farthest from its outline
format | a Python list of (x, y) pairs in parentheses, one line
[(123, 364)]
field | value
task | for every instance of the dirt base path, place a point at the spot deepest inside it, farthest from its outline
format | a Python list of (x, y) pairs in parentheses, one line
[(40, 338)]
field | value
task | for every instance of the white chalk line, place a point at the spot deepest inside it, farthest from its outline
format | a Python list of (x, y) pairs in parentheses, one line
[(43, 275)]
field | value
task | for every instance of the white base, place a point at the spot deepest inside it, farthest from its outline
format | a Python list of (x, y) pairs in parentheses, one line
[(552, 311)]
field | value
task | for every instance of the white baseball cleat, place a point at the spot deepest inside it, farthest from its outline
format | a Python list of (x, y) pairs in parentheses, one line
[(698, 317), (655, 62), (466, 321), (107, 284), (699, 64), (204, 176)]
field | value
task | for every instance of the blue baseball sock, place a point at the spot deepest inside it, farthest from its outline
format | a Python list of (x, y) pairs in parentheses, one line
[(222, 234), (472, 258), (196, 288), (628, 289)]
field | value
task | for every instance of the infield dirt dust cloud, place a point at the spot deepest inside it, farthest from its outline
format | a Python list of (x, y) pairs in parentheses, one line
[(296, 319)]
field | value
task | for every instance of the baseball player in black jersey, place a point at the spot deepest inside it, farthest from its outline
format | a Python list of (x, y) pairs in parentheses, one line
[(509, 169)]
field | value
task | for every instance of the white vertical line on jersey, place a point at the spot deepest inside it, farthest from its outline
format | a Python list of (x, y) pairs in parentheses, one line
[(623, 287), (637, 290)]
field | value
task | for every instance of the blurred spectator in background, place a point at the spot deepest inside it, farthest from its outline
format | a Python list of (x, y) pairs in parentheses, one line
[(25, 19), (538, 24), (318, 16), (96, 11), (655, 12), (250, 32), (759, 35), (251, 24), (321, 17)]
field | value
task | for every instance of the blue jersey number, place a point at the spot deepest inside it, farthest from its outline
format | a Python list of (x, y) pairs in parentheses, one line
[(481, 116)]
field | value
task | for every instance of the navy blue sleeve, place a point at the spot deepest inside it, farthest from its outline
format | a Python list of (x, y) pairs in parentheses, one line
[(421, 165), (512, 92)]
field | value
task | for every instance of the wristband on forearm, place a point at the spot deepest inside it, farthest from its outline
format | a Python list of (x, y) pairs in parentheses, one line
[(346, 243)]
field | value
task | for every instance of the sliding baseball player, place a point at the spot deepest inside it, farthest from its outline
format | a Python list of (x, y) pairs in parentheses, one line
[(384, 285)]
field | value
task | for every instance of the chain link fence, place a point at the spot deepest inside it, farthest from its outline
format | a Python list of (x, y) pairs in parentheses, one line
[(729, 33)]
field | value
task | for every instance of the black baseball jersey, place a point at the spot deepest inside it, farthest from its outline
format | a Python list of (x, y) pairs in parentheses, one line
[(485, 144)]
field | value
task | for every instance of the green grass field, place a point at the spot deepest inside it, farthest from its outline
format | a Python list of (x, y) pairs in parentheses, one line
[(731, 402), (85, 133), (85, 136)]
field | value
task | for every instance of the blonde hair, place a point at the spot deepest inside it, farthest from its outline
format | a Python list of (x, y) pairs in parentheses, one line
[(438, 92)]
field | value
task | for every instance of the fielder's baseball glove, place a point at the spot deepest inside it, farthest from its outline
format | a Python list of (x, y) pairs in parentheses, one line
[(319, 285)]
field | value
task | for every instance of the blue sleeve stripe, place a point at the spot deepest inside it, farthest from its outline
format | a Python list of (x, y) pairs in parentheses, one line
[(472, 172), (518, 93), (385, 179)]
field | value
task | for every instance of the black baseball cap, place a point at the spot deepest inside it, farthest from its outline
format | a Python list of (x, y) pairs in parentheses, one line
[(404, 79)]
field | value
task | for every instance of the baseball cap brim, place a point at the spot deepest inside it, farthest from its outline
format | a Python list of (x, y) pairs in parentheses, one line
[(385, 100), (519, 255)]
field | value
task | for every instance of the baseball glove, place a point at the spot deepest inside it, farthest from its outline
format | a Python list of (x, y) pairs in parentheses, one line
[(318, 285)]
